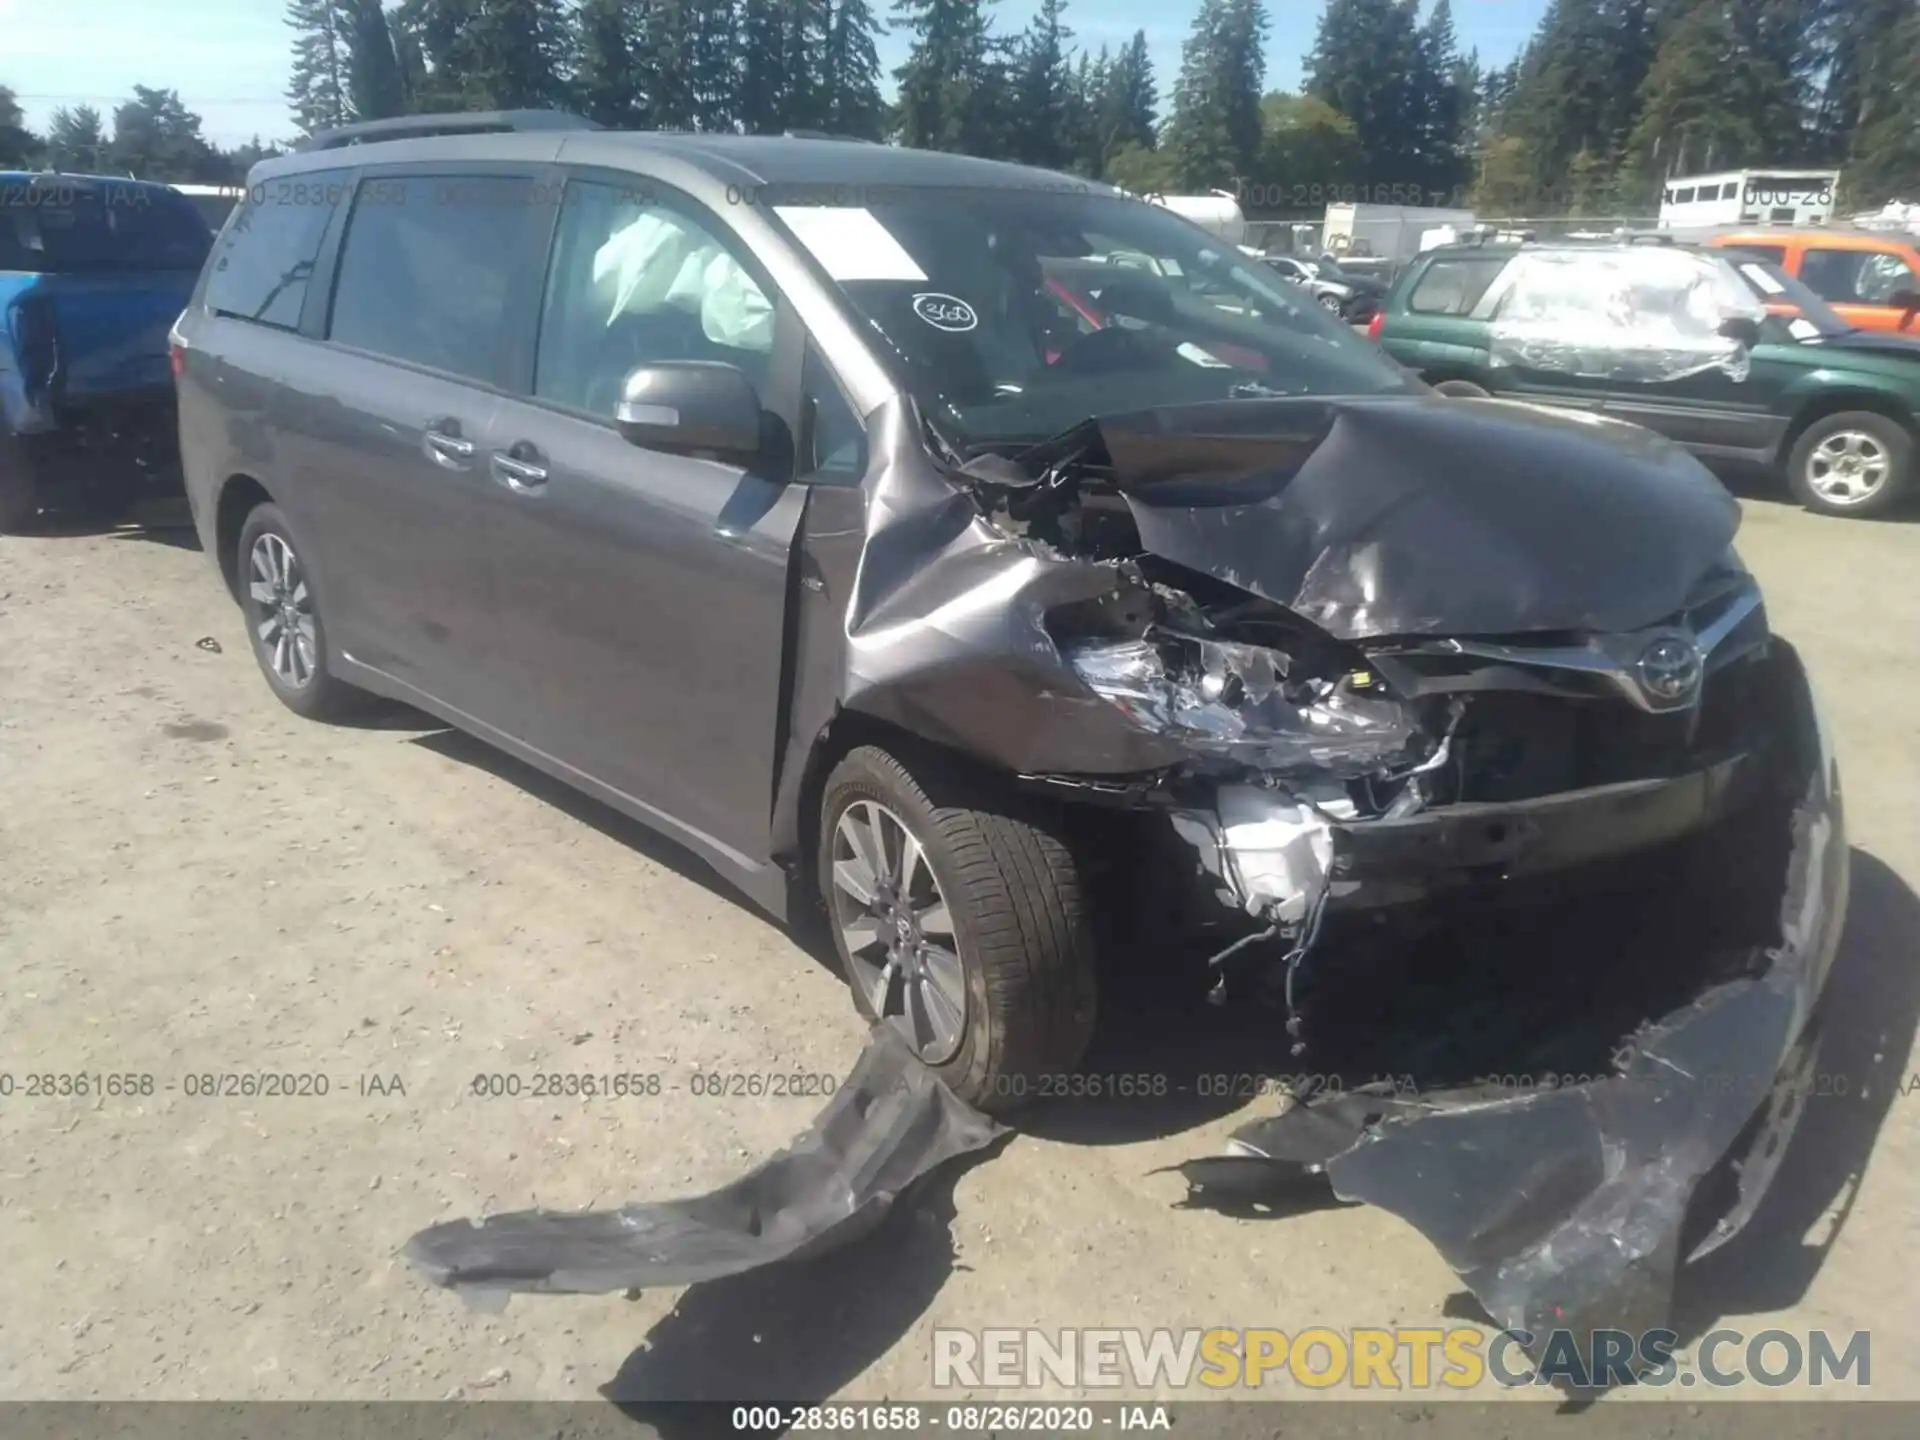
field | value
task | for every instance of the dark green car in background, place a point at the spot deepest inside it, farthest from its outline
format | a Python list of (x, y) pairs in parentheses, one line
[(1721, 352)]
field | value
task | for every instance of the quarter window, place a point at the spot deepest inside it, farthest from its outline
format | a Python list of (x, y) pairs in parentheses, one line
[(427, 268), (634, 282), (1454, 287)]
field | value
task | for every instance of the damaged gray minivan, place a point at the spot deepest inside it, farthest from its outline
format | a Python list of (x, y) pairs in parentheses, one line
[(1006, 566)]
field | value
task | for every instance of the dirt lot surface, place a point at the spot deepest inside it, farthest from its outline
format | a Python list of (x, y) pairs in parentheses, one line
[(193, 883)]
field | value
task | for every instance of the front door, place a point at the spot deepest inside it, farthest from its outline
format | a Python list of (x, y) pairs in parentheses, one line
[(643, 595)]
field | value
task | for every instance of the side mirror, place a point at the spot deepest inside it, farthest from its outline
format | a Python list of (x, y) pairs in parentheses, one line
[(691, 407), (1908, 302), (1742, 329)]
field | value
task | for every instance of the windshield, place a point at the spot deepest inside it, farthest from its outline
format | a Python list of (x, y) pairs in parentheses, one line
[(64, 227), (1014, 315), (1807, 316)]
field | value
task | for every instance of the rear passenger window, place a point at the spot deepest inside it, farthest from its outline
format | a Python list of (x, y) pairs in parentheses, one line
[(265, 256), (427, 266), (1454, 287), (634, 283)]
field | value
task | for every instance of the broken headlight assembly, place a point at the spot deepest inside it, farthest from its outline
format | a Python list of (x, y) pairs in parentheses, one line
[(1243, 702)]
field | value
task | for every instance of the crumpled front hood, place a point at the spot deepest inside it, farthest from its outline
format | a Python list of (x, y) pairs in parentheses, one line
[(1421, 515)]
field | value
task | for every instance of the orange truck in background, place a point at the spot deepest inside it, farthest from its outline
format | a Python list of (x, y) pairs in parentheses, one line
[(1872, 279)]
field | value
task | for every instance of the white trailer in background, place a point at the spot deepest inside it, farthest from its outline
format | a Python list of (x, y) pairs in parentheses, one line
[(1749, 197), (1218, 213), (1383, 237)]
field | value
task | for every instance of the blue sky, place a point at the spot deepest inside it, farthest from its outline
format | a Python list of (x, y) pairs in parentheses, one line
[(228, 58)]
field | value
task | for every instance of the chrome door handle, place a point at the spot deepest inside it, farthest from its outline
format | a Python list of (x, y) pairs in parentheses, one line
[(519, 475), (448, 450)]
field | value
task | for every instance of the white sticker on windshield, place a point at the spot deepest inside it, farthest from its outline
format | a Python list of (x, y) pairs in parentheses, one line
[(850, 242), (1761, 278), (945, 312), (1803, 330), (1198, 356)]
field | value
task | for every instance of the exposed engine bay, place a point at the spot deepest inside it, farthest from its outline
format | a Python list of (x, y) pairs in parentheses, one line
[(1337, 772)]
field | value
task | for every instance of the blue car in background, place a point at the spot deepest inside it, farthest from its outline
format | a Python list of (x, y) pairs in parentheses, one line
[(93, 272)]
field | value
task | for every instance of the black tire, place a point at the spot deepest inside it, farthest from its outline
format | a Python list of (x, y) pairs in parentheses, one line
[(315, 692), (1462, 390), (1332, 304), (1018, 923), (19, 496), (1895, 444)]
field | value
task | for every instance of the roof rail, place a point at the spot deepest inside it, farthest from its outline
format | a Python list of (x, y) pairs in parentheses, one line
[(824, 135), (469, 122)]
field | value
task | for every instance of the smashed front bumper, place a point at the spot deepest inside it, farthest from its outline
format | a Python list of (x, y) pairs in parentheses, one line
[(1571, 1208)]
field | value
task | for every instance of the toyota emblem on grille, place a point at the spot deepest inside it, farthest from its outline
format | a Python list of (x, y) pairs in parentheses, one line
[(1669, 669)]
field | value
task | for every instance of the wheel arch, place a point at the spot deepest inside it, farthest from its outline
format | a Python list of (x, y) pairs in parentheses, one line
[(1839, 402), (240, 495)]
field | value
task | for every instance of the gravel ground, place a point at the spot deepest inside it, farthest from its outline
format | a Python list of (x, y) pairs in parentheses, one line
[(195, 883)]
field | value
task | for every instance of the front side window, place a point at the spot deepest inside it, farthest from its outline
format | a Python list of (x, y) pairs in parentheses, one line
[(634, 282), (266, 255), (427, 268), (1856, 277)]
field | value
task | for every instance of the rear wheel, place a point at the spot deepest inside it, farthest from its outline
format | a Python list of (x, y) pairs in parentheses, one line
[(1854, 463), (1461, 390), (959, 924), (1330, 304), (284, 624)]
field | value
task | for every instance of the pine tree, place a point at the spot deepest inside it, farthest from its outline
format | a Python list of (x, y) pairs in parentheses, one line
[(714, 58), (1041, 128), (374, 85), (666, 50), (318, 91), (155, 137), (1368, 65), (849, 75), (1718, 95), (77, 139), (611, 84), (1128, 100), (768, 59), (1443, 98), (519, 53), (1215, 130), (1883, 160), (952, 79)]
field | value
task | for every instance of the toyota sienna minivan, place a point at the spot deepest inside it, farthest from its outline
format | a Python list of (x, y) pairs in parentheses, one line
[(1008, 573)]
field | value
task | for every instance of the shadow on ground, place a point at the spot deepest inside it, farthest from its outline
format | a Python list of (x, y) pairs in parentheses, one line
[(796, 1332)]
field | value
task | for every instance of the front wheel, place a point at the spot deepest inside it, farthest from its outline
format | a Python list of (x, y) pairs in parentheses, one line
[(959, 924), (1854, 463), (1331, 304)]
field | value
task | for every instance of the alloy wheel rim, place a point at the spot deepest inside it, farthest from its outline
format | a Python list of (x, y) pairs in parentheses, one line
[(283, 611), (1848, 468), (897, 931)]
